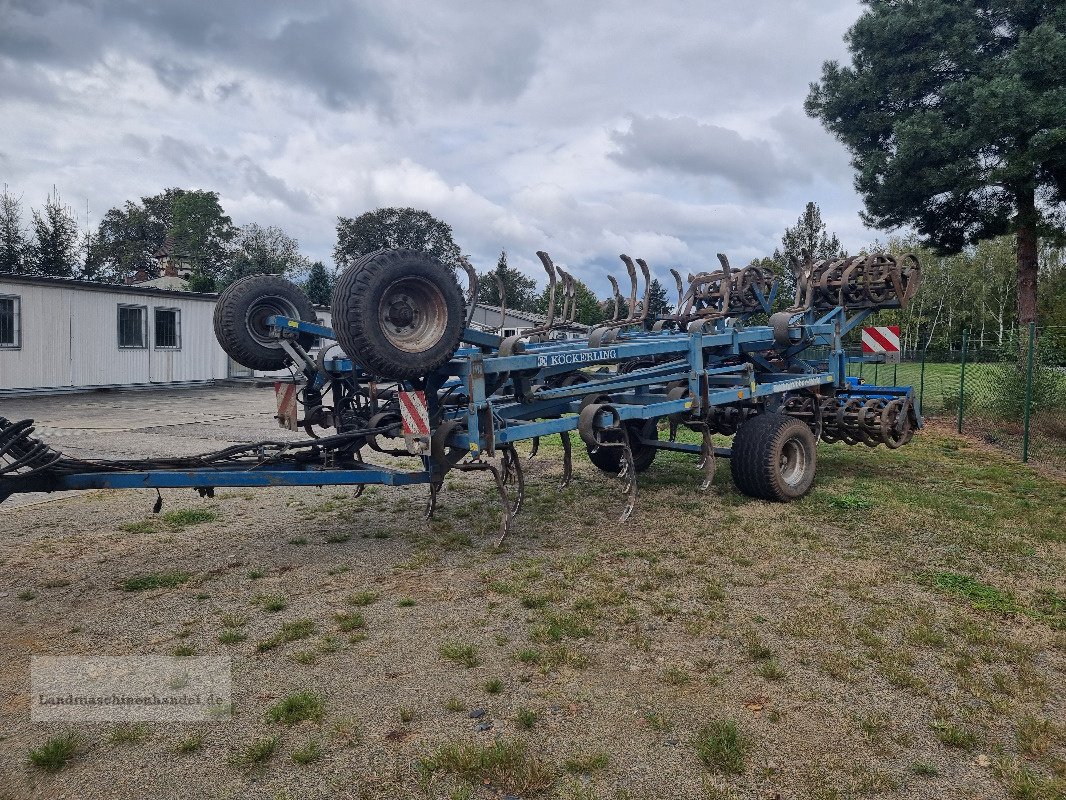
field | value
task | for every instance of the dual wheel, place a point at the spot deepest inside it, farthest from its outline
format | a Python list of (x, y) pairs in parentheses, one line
[(398, 313), (774, 455)]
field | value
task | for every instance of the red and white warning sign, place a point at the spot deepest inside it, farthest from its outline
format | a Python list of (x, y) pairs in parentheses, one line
[(286, 397), (414, 413), (881, 340)]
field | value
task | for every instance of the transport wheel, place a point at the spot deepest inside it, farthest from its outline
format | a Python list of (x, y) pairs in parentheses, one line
[(241, 315), (773, 457), (609, 459), (398, 313)]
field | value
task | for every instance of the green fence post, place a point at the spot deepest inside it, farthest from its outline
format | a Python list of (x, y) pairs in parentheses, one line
[(962, 375), (921, 383), (1028, 391)]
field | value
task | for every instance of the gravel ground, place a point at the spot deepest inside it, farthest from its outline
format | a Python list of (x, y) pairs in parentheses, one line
[(824, 630)]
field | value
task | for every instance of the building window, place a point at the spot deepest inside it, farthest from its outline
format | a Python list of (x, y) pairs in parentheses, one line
[(10, 321), (509, 332), (131, 326), (168, 329)]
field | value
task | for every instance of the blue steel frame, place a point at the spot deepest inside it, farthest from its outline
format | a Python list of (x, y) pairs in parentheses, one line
[(504, 403)]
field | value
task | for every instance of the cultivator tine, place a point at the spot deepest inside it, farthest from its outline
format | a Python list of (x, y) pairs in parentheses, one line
[(680, 288), (568, 460), (549, 267), (471, 288), (629, 473), (647, 289), (706, 462), (535, 448), (510, 456), (568, 295), (617, 298), (505, 508), (632, 270), (431, 502)]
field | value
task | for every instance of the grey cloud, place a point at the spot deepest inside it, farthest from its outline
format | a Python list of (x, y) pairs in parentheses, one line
[(686, 146)]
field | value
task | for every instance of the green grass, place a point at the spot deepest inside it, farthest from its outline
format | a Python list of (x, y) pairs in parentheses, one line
[(256, 753), (299, 707), (460, 653), (155, 580), (128, 734), (506, 766), (981, 596), (54, 754), (954, 735), (191, 744), (275, 603), (350, 622), (525, 718), (290, 632), (184, 517), (493, 686), (720, 746), (231, 636), (311, 751), (363, 598), (587, 763)]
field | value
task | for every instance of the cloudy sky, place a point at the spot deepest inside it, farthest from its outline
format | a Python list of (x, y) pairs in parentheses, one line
[(668, 130)]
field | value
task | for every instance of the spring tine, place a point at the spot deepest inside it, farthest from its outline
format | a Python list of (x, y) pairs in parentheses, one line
[(549, 267), (726, 281), (505, 508), (647, 288), (617, 297), (568, 295), (535, 448), (471, 289), (680, 290), (568, 460), (629, 471), (431, 502), (632, 269), (706, 462), (573, 300), (510, 454)]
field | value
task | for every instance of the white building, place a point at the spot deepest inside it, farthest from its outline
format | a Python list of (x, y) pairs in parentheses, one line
[(61, 333)]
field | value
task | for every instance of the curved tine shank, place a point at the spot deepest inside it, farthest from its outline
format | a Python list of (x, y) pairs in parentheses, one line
[(573, 301), (501, 290), (471, 288), (617, 297), (632, 269), (726, 281), (568, 295), (680, 289), (549, 267), (568, 460), (647, 288)]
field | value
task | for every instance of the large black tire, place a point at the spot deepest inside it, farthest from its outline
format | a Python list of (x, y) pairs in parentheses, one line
[(609, 459), (241, 314), (398, 313), (774, 457)]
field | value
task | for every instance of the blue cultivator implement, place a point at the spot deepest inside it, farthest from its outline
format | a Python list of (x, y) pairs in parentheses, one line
[(407, 376)]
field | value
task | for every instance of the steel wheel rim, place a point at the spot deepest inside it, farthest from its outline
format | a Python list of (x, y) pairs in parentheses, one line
[(413, 314), (793, 462), (262, 310)]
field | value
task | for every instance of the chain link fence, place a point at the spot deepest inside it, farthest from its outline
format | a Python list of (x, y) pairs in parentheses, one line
[(1012, 396)]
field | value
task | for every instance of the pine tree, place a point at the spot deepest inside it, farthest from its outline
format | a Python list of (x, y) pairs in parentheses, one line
[(808, 235), (54, 250), (13, 244), (319, 285)]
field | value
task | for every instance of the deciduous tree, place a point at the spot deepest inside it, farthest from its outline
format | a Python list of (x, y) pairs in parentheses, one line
[(387, 228), (520, 289)]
